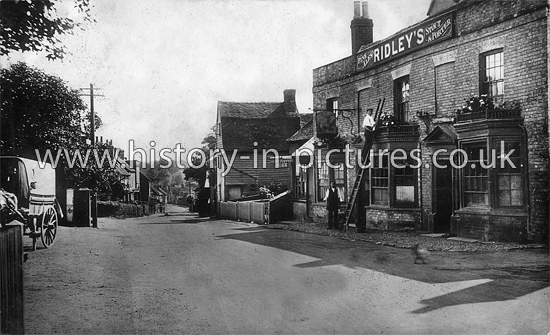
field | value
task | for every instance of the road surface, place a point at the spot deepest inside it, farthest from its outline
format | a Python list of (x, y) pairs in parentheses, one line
[(179, 274)]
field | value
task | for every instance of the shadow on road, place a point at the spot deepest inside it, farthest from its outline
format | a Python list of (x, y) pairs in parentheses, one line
[(512, 274)]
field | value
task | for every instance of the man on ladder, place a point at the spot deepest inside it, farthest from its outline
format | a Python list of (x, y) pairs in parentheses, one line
[(368, 122), (369, 128)]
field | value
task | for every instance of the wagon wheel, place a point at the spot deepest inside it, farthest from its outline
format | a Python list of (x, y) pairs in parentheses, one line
[(49, 226)]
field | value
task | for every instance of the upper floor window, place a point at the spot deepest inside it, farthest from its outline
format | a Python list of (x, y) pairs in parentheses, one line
[(402, 98), (332, 104), (492, 75)]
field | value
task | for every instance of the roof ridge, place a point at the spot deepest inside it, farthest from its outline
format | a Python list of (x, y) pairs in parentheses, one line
[(252, 102)]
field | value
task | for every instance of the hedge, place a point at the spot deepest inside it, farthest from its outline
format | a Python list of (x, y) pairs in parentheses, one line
[(113, 208)]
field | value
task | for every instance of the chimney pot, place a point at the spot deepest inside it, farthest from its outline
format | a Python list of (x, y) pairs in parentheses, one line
[(365, 6), (361, 28), (357, 9)]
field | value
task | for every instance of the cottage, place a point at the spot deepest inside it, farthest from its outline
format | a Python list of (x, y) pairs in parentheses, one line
[(255, 134)]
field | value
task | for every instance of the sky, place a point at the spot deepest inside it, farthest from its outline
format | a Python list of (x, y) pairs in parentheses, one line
[(163, 65)]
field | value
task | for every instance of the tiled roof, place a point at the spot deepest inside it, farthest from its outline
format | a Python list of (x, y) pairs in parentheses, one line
[(268, 133), (254, 110), (268, 124), (304, 133), (305, 118)]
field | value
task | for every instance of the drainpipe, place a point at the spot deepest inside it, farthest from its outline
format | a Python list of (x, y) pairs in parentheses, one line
[(529, 233)]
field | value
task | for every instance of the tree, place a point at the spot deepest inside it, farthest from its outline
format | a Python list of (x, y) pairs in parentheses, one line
[(167, 175), (100, 178), (36, 26), (199, 174), (40, 112)]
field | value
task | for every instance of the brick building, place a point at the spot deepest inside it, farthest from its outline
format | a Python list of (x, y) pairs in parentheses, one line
[(466, 151)]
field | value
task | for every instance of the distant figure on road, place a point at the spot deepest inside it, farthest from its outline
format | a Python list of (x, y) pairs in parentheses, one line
[(332, 197), (420, 253), (191, 202)]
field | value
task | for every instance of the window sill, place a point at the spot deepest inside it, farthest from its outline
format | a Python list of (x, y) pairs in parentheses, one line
[(300, 200), (494, 212), (401, 209)]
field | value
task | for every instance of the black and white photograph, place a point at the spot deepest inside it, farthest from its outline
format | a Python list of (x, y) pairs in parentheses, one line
[(274, 167)]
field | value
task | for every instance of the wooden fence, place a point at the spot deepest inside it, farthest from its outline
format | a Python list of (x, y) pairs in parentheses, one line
[(247, 211), (11, 279), (258, 211)]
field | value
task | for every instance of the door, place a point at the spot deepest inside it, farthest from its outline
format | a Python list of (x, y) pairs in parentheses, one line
[(234, 192), (442, 196)]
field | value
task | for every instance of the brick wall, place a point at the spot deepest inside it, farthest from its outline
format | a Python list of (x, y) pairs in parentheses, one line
[(392, 219), (520, 29)]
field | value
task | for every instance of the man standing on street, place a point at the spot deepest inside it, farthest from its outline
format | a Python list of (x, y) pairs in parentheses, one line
[(332, 197)]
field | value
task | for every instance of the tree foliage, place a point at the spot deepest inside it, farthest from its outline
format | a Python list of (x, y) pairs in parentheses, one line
[(199, 174), (100, 178), (40, 112), (35, 25), (164, 173)]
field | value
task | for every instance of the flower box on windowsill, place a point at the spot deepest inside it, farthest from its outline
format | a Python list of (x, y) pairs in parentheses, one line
[(488, 115)]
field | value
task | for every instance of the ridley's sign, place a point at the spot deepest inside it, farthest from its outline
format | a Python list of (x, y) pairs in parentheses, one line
[(425, 34)]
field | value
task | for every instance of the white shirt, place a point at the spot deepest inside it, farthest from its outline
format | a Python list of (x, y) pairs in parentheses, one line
[(368, 121), (333, 190)]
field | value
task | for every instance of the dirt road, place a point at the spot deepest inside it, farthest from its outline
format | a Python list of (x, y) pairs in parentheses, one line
[(179, 274)]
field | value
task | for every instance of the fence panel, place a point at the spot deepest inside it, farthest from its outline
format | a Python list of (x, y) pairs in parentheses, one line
[(259, 212), (223, 210), (232, 210), (11, 279), (243, 211)]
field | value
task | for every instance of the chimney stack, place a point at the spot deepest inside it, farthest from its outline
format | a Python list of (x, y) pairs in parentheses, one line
[(290, 100), (361, 27)]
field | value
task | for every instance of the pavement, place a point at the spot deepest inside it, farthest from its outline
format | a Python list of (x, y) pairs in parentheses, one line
[(407, 239)]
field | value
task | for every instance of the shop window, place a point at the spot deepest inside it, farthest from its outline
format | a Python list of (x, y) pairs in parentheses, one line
[(300, 183), (323, 180), (402, 98), (380, 180), (327, 174), (492, 75), (340, 180), (509, 176), (475, 181), (405, 184)]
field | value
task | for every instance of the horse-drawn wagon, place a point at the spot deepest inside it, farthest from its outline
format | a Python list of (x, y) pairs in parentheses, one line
[(27, 194)]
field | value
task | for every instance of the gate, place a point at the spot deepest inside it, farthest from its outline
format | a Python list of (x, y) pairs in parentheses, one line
[(11, 279)]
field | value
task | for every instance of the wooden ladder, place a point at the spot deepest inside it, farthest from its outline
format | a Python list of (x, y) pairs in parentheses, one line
[(360, 177)]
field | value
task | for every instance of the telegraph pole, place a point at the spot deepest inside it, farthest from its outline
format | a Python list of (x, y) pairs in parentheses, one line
[(92, 140)]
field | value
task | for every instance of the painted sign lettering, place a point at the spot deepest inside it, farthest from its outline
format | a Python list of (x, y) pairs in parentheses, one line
[(430, 32)]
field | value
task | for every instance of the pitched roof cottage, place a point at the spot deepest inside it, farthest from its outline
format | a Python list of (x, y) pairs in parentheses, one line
[(254, 133)]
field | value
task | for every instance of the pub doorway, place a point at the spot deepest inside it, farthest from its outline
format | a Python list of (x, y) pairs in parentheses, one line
[(443, 196)]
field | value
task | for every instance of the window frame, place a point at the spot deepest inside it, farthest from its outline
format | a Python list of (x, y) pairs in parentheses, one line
[(519, 161), (401, 102), (469, 177), (377, 178), (493, 144), (485, 68), (300, 183)]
